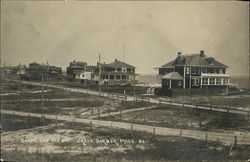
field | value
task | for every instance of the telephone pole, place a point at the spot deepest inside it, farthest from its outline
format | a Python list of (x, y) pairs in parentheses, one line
[(124, 53), (42, 98), (99, 74)]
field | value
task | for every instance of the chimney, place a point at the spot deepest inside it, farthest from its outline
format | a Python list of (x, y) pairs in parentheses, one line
[(115, 60), (74, 61), (202, 54), (179, 53)]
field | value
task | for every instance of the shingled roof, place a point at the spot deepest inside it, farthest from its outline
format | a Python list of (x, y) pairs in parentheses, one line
[(118, 64), (194, 60)]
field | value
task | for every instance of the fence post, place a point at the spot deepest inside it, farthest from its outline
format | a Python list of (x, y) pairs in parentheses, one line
[(111, 125), (183, 105), (227, 109), (248, 115), (91, 124), (211, 108), (154, 130), (235, 140), (196, 106), (56, 121), (206, 137), (131, 127), (181, 132), (44, 120), (159, 102)]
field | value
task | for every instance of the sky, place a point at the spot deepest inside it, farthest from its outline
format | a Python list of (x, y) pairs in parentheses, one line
[(152, 32)]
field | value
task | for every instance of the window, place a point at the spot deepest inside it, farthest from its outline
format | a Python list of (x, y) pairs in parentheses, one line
[(192, 82), (112, 76), (204, 70), (124, 77), (204, 80), (118, 77), (212, 81), (124, 69), (218, 81), (196, 82), (225, 80), (193, 70), (179, 83)]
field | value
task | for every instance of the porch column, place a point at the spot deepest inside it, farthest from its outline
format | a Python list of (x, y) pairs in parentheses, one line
[(215, 81), (208, 81), (201, 83), (222, 81), (170, 82)]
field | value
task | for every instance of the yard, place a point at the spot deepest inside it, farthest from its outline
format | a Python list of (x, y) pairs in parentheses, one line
[(28, 98), (185, 118)]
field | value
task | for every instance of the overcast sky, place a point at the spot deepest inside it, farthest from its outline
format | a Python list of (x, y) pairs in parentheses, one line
[(153, 32)]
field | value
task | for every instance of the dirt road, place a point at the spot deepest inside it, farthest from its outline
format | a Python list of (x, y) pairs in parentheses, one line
[(227, 137)]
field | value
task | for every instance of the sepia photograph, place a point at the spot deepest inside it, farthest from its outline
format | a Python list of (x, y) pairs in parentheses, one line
[(130, 80)]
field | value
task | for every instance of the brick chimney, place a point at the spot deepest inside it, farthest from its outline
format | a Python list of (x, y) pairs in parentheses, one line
[(202, 53), (179, 53)]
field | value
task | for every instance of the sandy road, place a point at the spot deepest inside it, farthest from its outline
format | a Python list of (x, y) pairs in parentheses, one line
[(123, 112), (227, 137), (132, 98)]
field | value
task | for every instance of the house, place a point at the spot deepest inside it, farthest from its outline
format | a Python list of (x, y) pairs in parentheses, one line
[(37, 71), (194, 71), (74, 68), (117, 72)]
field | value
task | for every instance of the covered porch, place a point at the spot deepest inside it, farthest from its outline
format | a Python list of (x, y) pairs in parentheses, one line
[(172, 80)]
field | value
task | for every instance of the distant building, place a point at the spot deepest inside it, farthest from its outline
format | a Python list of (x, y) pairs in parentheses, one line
[(36, 71), (115, 73), (74, 68), (14, 71), (194, 71)]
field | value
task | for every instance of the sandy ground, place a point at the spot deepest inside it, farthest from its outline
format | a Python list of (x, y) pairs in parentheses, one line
[(43, 140)]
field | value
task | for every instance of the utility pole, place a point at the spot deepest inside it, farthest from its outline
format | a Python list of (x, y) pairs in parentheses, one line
[(124, 53), (134, 87), (42, 98), (99, 74), (85, 80)]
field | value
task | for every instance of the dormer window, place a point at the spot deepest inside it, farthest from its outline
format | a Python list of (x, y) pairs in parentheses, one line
[(210, 60)]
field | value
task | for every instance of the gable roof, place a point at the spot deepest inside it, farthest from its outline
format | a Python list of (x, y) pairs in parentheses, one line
[(194, 60), (173, 76), (118, 64)]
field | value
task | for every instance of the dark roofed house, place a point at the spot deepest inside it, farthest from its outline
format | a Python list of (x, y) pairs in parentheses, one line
[(36, 71), (74, 68), (194, 71)]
